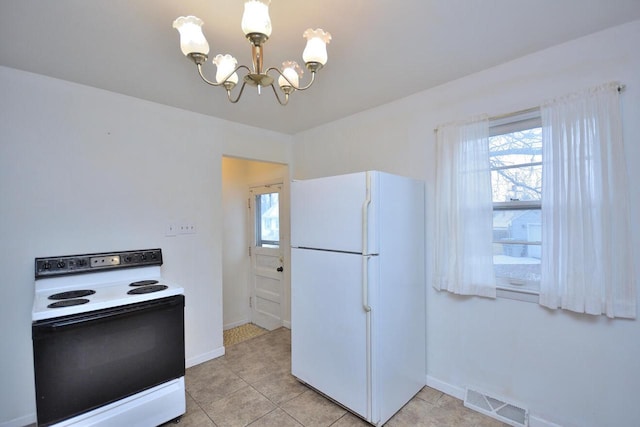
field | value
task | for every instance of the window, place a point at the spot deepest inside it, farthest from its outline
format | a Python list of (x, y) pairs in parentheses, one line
[(267, 220), (515, 153)]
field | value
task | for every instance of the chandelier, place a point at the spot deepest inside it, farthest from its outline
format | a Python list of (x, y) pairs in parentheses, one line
[(256, 25)]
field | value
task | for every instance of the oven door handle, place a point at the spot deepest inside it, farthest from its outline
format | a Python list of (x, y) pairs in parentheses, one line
[(110, 313)]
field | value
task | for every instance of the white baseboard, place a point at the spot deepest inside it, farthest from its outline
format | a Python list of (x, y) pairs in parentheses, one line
[(235, 324), (459, 392), (539, 422), (446, 388), (20, 422), (192, 361)]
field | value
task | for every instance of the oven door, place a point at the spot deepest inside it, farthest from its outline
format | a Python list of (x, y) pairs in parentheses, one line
[(87, 360)]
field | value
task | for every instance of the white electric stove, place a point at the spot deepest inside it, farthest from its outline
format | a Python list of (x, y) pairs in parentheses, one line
[(108, 339)]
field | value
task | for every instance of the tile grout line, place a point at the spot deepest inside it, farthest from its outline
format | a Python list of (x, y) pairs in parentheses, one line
[(277, 405), (201, 408)]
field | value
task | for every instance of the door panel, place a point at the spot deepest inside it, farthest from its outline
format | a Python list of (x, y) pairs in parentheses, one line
[(266, 257), (329, 325), (266, 300)]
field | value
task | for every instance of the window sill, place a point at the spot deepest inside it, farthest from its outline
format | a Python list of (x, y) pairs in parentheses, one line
[(518, 294)]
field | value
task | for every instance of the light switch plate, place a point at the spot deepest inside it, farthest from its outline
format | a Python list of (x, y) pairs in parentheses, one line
[(171, 230)]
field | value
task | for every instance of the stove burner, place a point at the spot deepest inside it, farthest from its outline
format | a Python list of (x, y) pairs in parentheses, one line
[(144, 283), (72, 294), (147, 289), (68, 303)]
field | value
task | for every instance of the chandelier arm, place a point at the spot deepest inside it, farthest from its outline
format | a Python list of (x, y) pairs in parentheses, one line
[(313, 78), (286, 95), (207, 81), (233, 101), (225, 79), (238, 68)]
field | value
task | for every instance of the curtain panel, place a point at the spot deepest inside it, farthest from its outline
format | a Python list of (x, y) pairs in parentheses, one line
[(586, 248), (464, 210)]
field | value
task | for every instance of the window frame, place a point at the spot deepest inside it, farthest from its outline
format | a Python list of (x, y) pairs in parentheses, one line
[(503, 125)]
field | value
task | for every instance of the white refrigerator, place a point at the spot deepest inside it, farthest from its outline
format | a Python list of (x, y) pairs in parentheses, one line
[(358, 290)]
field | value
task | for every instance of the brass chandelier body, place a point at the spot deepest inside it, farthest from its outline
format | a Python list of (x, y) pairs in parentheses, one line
[(257, 27)]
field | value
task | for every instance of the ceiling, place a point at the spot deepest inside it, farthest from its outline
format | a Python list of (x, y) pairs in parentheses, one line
[(382, 50)]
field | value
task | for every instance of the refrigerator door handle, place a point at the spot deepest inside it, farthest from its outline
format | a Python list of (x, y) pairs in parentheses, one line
[(365, 246), (365, 283), (365, 216)]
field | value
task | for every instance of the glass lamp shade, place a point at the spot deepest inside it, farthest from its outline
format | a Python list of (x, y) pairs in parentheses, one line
[(316, 49), (191, 38), (226, 64), (292, 71), (256, 17)]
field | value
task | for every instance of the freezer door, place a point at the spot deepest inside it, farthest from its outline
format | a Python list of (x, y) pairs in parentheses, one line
[(329, 326), (327, 213)]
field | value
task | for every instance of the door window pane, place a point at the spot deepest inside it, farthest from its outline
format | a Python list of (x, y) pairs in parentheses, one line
[(267, 220)]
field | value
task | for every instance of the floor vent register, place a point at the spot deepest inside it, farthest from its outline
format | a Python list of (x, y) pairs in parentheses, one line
[(497, 408)]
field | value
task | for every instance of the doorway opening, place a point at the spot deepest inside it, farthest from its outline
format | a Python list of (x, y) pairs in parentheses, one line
[(255, 246)]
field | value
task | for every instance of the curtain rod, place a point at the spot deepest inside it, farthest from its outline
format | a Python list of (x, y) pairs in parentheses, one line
[(621, 89), (503, 116)]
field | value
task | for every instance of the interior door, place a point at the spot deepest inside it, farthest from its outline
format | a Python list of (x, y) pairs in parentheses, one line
[(266, 257)]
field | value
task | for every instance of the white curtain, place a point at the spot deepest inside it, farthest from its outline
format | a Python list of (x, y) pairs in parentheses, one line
[(586, 249), (464, 210)]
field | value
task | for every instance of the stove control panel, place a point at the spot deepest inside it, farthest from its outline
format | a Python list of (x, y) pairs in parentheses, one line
[(104, 261), (87, 263)]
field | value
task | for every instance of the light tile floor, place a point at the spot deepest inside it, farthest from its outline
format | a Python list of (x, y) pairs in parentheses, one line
[(252, 385)]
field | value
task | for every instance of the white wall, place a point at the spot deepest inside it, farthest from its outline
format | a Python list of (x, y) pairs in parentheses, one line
[(85, 170), (237, 176), (574, 370)]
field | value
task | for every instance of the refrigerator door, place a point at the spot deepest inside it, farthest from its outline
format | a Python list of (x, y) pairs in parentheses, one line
[(336, 213), (329, 326)]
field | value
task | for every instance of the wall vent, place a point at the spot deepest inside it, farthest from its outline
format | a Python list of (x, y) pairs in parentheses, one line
[(498, 408)]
